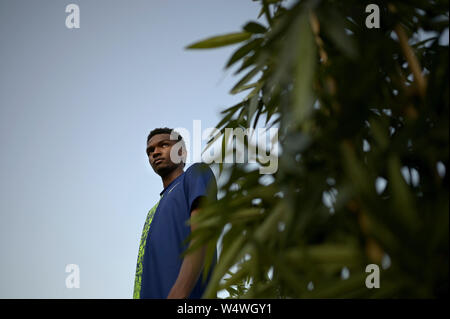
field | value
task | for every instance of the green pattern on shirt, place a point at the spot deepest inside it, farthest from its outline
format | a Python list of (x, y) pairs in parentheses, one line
[(138, 277)]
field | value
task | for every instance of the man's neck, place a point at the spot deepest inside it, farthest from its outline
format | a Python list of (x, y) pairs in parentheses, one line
[(171, 176)]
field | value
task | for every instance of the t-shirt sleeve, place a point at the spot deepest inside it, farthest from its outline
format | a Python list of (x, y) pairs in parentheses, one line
[(199, 181)]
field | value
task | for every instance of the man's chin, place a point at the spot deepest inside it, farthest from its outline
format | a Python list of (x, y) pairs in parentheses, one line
[(163, 169), (160, 169)]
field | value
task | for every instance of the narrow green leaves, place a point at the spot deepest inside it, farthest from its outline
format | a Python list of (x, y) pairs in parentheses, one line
[(243, 51), (221, 40), (237, 88), (304, 75), (367, 129), (403, 199)]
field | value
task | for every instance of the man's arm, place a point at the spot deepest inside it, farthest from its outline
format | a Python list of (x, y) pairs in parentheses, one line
[(190, 270)]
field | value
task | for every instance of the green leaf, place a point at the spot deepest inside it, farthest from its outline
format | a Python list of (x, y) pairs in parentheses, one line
[(255, 27), (334, 27), (228, 258), (243, 51), (355, 169), (380, 133), (233, 109), (267, 11), (237, 88), (403, 199), (269, 224), (246, 87), (332, 253), (306, 63), (252, 109), (261, 12), (237, 277), (221, 40)]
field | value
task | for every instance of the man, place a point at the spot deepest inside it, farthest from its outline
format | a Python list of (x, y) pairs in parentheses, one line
[(161, 272)]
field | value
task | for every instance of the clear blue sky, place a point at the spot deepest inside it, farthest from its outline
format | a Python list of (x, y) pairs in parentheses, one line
[(75, 110)]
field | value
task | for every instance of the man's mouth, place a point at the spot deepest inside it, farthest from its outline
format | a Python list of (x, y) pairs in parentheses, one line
[(158, 161)]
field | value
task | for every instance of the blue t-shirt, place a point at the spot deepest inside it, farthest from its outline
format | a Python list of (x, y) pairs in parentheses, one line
[(165, 231)]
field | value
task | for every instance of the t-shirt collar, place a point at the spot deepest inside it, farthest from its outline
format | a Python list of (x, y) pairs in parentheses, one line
[(171, 183)]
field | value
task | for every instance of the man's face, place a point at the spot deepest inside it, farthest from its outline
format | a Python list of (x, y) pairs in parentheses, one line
[(158, 152)]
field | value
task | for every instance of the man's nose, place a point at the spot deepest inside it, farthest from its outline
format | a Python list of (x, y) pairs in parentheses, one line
[(156, 152)]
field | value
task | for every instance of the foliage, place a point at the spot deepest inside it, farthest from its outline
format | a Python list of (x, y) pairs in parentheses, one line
[(355, 107)]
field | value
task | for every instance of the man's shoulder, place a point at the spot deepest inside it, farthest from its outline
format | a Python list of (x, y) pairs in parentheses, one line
[(200, 179), (199, 169), (200, 172)]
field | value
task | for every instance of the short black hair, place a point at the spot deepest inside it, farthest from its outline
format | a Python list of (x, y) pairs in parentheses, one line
[(163, 130)]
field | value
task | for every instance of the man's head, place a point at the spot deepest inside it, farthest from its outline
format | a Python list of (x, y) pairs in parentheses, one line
[(166, 150)]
